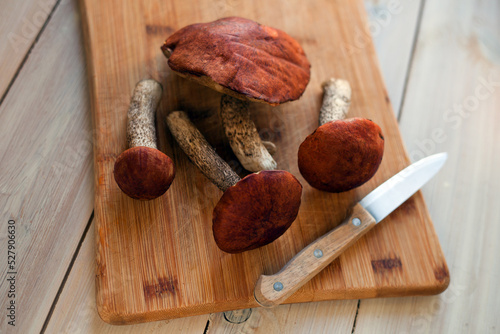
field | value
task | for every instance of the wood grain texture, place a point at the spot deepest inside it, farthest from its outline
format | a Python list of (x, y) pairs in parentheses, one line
[(394, 27), (158, 259), (307, 318), (20, 24), (452, 105), (45, 168), (76, 311), (307, 263)]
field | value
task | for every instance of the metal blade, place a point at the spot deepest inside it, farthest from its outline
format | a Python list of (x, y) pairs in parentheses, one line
[(393, 192)]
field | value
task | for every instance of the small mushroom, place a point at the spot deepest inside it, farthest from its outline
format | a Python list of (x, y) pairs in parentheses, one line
[(341, 154), (253, 211), (143, 172), (247, 62)]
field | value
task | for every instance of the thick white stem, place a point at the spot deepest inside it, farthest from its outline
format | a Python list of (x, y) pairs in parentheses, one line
[(336, 100)]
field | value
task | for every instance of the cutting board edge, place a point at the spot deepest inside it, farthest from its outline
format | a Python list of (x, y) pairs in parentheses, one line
[(115, 318)]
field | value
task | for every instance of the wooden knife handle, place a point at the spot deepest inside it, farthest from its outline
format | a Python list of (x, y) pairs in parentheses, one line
[(272, 290)]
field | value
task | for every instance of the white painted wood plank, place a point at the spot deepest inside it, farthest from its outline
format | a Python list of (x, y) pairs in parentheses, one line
[(314, 318), (45, 168), (393, 25), (76, 312), (20, 23), (451, 105)]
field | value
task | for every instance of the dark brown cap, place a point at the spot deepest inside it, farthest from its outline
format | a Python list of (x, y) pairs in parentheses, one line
[(241, 58), (144, 173), (256, 211), (341, 155)]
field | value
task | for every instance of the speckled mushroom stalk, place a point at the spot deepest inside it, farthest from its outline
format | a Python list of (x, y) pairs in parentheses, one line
[(143, 172), (253, 211), (336, 100), (243, 136), (199, 151), (341, 154), (141, 130)]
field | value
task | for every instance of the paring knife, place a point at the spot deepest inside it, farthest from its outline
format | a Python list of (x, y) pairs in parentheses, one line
[(271, 290)]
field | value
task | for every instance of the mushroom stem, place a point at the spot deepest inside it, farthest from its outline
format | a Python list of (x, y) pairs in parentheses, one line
[(243, 136), (200, 152), (336, 100), (141, 114), (270, 147)]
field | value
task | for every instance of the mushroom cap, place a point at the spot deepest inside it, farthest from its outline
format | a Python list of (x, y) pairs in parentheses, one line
[(256, 210), (144, 173), (241, 58), (341, 155)]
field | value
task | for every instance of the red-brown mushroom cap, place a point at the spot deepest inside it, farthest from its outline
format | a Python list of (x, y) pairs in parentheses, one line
[(144, 173), (341, 155), (241, 58), (256, 211)]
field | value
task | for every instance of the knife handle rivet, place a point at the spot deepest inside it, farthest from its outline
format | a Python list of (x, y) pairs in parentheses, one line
[(318, 253), (356, 221), (278, 286)]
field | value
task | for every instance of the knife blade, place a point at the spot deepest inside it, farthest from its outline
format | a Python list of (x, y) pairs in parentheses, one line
[(272, 290)]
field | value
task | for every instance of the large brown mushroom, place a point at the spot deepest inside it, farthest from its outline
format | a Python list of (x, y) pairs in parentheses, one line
[(247, 62), (253, 211), (143, 172), (341, 154)]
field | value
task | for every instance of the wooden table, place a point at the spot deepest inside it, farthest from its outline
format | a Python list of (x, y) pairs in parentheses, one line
[(441, 62)]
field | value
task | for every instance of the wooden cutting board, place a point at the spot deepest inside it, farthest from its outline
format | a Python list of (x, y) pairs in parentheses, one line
[(157, 259)]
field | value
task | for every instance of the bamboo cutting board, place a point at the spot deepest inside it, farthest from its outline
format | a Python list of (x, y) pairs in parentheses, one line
[(157, 259)]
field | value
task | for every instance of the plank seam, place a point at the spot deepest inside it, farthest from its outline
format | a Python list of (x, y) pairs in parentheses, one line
[(355, 317), (66, 275), (26, 56), (412, 58), (205, 331)]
